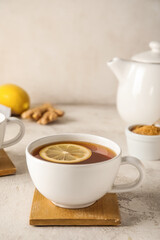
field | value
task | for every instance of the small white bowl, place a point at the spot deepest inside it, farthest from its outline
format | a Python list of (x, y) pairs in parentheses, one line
[(144, 147)]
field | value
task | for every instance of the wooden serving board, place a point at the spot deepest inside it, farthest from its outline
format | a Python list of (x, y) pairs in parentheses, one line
[(104, 212), (6, 165)]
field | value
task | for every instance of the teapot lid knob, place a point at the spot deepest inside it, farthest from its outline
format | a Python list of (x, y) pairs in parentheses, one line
[(155, 46), (151, 56)]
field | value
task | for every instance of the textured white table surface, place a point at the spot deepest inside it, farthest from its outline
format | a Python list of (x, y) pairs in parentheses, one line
[(140, 209)]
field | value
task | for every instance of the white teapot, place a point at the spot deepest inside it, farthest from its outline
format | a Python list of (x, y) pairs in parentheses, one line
[(138, 97)]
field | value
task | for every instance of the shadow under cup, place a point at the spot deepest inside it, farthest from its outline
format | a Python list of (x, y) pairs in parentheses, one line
[(76, 185)]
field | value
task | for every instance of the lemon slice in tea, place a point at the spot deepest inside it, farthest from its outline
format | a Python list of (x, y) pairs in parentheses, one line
[(65, 153)]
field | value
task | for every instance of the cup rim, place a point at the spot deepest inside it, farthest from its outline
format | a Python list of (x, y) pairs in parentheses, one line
[(139, 136), (72, 165), (2, 118)]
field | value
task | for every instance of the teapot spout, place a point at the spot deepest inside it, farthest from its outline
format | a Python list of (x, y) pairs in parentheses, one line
[(120, 68)]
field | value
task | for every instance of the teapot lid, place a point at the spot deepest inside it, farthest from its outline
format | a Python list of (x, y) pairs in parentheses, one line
[(152, 56)]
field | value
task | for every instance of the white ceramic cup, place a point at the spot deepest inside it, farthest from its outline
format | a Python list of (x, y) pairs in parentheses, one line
[(144, 147), (79, 185), (3, 123)]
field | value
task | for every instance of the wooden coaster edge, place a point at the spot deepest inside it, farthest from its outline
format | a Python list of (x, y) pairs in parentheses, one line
[(8, 172), (73, 222)]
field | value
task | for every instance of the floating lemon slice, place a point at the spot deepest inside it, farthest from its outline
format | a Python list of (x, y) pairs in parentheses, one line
[(65, 153)]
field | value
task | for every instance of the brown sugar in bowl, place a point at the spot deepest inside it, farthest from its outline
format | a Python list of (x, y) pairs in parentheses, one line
[(146, 130)]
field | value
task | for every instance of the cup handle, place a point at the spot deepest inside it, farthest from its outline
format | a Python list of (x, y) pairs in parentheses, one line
[(20, 134), (130, 186)]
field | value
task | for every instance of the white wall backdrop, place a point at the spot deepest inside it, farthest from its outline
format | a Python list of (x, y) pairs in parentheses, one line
[(57, 49)]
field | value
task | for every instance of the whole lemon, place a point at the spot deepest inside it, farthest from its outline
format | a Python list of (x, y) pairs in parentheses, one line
[(14, 97)]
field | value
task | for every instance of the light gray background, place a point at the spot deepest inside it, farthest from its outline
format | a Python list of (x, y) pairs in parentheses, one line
[(57, 50)]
